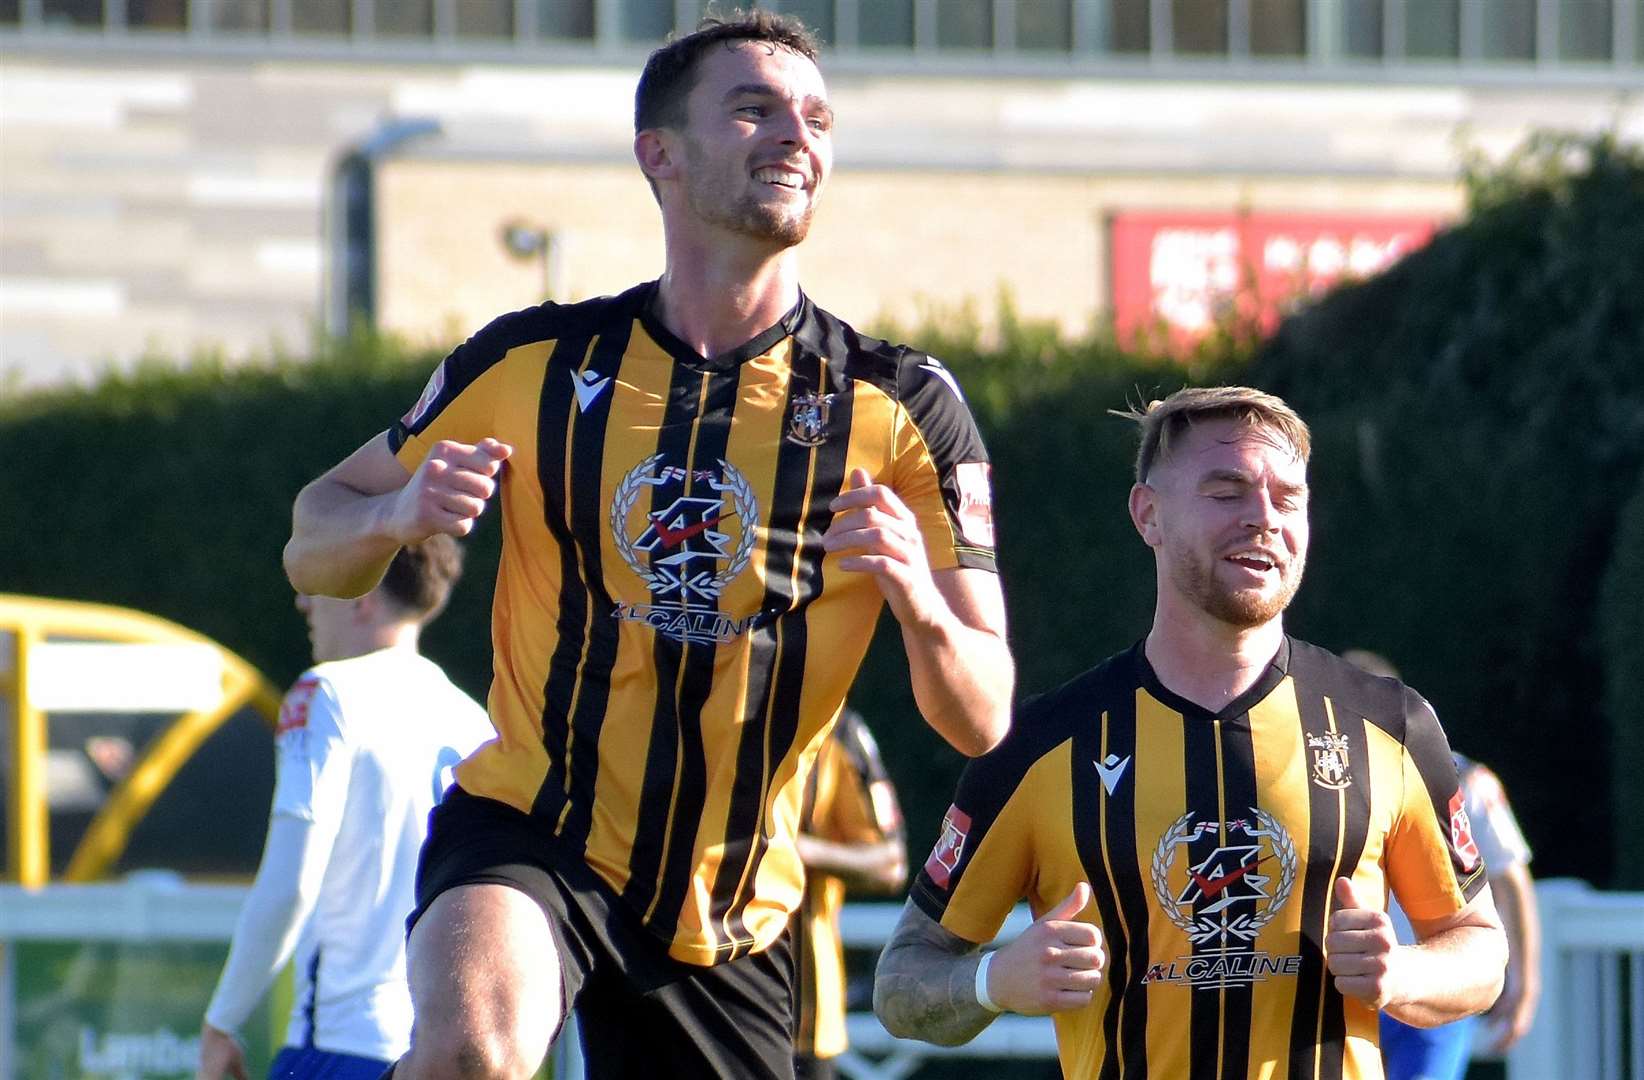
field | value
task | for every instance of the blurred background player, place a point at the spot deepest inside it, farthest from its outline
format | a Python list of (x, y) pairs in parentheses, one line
[(850, 837), (1442, 1053), (367, 741)]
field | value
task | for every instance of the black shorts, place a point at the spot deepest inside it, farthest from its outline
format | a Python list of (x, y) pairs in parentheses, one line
[(641, 1012)]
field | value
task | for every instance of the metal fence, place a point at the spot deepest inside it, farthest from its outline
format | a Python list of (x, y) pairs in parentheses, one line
[(1590, 1025)]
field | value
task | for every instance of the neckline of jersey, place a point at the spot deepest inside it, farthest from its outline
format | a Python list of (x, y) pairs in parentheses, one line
[(760, 344), (1237, 709)]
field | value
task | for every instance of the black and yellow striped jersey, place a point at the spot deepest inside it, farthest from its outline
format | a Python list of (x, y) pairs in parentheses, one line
[(671, 642), (1212, 842), (849, 800)]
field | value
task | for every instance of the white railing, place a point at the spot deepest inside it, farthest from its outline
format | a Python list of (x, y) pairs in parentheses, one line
[(1590, 1024)]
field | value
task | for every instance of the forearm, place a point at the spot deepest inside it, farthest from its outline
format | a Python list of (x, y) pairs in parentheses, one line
[(265, 935), (1516, 902), (881, 867), (341, 543), (925, 985), (1450, 976), (963, 679)]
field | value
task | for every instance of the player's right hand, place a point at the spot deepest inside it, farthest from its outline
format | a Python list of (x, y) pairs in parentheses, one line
[(448, 491), (1055, 965), (220, 1056)]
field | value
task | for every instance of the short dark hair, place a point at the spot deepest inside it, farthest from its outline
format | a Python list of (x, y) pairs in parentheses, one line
[(420, 578), (670, 72)]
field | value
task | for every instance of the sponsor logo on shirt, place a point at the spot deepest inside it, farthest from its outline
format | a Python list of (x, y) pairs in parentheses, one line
[(688, 551), (1461, 833), (950, 846), (1220, 882)]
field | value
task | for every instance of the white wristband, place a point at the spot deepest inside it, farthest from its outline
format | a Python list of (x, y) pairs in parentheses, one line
[(982, 998)]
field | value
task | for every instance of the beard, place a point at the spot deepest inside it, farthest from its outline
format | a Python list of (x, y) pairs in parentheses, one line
[(784, 226), (1244, 608)]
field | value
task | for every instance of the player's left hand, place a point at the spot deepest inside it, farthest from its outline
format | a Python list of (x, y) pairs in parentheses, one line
[(1510, 1017), (882, 536), (220, 1055), (1360, 948)]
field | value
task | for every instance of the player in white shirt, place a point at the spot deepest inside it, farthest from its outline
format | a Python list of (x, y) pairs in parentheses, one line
[(367, 740)]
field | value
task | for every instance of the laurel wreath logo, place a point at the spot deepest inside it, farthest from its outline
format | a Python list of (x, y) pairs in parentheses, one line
[(1245, 926), (742, 498)]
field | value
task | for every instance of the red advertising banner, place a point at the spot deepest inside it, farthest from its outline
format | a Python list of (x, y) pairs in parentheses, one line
[(1177, 276)]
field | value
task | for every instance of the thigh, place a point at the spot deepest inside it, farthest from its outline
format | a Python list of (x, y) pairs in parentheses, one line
[(485, 983), (730, 1020)]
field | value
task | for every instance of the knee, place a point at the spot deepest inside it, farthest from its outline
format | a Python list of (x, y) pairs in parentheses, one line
[(467, 1056)]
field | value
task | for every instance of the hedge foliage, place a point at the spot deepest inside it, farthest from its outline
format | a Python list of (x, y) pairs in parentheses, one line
[(1479, 423)]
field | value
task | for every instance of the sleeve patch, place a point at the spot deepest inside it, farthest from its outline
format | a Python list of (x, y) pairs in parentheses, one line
[(975, 502), (950, 847), (1461, 834), (430, 394), (294, 709)]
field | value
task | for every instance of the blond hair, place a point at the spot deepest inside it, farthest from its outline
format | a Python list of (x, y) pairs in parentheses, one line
[(1164, 423)]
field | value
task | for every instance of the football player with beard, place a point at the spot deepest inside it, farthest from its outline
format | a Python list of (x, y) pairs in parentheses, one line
[(1207, 825)]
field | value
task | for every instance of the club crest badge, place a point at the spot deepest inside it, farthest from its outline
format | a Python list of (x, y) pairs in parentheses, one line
[(1331, 768), (688, 551), (808, 419)]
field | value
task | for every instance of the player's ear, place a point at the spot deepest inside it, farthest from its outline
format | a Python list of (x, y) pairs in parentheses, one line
[(1144, 513), (658, 153)]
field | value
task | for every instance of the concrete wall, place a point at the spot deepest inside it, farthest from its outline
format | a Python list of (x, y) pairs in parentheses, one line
[(163, 203)]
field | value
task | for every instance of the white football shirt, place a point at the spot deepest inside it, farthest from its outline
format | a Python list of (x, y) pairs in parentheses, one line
[(366, 749)]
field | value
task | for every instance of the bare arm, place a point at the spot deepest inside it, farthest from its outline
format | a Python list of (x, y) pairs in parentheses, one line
[(925, 985), (879, 867), (1454, 970), (1515, 1010), (347, 525), (953, 620)]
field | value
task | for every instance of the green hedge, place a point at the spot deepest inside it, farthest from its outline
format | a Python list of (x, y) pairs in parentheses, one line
[(1623, 636)]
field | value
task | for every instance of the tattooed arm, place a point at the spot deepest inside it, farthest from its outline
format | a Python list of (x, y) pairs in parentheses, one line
[(925, 986)]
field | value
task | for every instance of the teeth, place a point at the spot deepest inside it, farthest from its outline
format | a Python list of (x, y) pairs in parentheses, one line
[(780, 177)]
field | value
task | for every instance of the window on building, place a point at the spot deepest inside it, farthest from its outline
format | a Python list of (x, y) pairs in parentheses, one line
[(1044, 24), (72, 12), (885, 23), (320, 17), (1584, 31), (157, 14), (1130, 26), (1432, 29), (1278, 28), (1199, 27), (566, 19), (484, 18), (964, 24), (1362, 28), (1507, 28), (647, 20), (241, 16), (816, 14), (404, 18)]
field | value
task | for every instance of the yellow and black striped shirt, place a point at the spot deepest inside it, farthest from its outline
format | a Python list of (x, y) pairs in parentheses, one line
[(671, 642), (849, 800), (1212, 842)]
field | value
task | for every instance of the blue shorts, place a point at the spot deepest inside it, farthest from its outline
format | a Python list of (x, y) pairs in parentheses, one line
[(307, 1063), (1412, 1053)]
